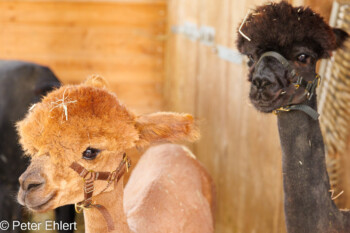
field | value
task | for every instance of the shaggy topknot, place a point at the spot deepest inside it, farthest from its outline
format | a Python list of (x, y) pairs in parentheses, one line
[(277, 26), (69, 118)]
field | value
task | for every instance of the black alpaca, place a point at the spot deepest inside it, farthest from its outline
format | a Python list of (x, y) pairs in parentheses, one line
[(283, 45), (21, 84)]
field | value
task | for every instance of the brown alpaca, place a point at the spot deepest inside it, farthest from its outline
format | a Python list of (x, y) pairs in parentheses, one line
[(168, 191)]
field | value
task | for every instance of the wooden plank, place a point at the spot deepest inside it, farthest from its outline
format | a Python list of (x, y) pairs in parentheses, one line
[(90, 13), (113, 1), (181, 59), (116, 70), (229, 137), (58, 39), (145, 94), (123, 41), (255, 150), (234, 136), (212, 108)]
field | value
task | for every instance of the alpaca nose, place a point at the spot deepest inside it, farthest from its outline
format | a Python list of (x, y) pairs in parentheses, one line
[(260, 83), (31, 181)]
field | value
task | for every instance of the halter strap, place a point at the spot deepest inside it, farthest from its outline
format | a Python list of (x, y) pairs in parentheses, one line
[(301, 107), (280, 58), (89, 177)]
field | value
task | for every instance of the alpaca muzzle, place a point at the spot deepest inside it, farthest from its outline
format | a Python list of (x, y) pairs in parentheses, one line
[(298, 81)]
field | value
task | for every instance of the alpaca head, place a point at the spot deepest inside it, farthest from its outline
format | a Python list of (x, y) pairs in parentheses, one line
[(300, 36), (88, 125)]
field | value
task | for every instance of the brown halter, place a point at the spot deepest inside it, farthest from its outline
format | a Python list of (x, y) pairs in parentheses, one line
[(89, 177)]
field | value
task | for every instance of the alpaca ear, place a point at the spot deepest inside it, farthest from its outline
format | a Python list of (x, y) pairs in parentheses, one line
[(96, 80), (166, 127), (340, 36)]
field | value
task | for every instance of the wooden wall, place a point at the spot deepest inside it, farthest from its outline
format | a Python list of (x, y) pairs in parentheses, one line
[(123, 40), (239, 146)]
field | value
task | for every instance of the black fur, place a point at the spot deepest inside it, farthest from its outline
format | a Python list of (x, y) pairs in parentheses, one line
[(308, 205), (290, 31), (21, 84), (340, 37), (279, 26), (295, 33)]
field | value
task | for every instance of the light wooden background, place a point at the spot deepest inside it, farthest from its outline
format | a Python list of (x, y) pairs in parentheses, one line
[(130, 43), (123, 40)]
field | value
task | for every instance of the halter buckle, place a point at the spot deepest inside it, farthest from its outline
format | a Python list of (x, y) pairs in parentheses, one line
[(127, 162), (89, 188), (281, 109), (91, 177), (318, 77), (112, 176), (79, 207)]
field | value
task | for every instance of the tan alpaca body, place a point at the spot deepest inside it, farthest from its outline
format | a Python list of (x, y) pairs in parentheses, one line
[(169, 191)]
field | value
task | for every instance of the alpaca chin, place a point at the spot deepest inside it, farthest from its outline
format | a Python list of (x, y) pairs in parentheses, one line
[(263, 108), (40, 203), (267, 106)]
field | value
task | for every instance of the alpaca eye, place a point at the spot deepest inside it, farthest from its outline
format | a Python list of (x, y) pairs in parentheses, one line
[(90, 153), (302, 58), (250, 60)]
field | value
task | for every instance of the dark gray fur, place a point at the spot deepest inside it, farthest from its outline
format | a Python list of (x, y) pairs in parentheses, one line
[(308, 204), (21, 85)]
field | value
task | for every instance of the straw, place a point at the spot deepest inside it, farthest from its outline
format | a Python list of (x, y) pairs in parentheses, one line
[(63, 104)]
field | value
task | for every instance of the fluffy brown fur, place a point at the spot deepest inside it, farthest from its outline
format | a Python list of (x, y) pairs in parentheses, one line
[(94, 112)]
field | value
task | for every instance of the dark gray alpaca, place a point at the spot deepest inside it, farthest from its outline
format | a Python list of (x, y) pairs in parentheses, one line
[(283, 45), (21, 84)]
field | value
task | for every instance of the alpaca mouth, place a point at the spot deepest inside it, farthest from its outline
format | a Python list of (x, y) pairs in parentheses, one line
[(268, 106), (264, 106), (44, 205)]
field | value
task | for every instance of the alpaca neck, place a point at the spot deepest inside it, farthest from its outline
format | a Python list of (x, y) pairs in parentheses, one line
[(308, 204), (113, 202)]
